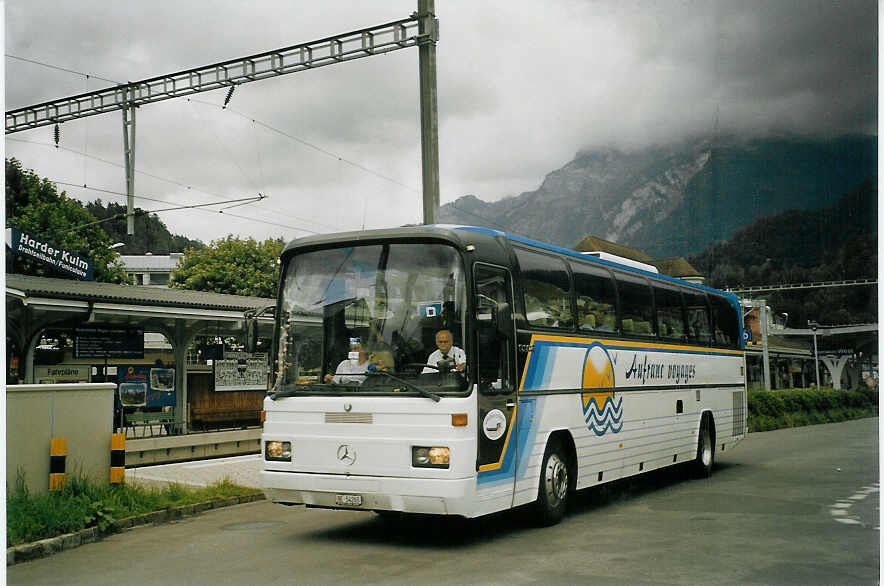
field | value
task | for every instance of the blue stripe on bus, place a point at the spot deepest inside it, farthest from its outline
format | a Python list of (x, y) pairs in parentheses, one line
[(540, 368), (526, 433)]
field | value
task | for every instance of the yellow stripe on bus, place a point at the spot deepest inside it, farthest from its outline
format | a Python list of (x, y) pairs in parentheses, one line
[(631, 344)]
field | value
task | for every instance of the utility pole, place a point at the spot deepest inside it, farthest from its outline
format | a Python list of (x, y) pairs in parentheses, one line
[(816, 356), (428, 35), (129, 156), (765, 356), (761, 306)]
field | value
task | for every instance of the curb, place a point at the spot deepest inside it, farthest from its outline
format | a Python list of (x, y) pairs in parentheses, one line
[(46, 547)]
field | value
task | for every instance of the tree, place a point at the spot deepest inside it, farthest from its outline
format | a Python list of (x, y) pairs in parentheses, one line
[(35, 205), (232, 265), (151, 234)]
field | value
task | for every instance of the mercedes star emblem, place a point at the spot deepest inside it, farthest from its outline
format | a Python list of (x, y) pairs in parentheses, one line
[(346, 454)]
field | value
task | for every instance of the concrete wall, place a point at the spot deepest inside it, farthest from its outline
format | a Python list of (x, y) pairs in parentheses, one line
[(81, 413)]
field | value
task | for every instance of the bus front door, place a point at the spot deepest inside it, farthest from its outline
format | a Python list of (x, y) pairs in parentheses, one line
[(495, 344)]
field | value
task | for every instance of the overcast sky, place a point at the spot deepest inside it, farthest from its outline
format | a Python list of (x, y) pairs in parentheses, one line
[(522, 87)]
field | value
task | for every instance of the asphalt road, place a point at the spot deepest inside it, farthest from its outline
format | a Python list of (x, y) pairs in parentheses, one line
[(796, 506)]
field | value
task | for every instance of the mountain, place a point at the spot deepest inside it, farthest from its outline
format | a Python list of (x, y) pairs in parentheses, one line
[(835, 243), (677, 199)]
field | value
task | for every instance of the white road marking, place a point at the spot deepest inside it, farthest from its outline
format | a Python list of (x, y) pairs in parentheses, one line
[(223, 461), (166, 479), (840, 510)]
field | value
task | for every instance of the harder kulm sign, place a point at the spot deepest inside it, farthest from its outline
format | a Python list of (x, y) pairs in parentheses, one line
[(36, 248)]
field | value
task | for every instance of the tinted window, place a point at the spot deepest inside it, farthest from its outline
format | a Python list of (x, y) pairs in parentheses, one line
[(727, 325), (547, 290), (670, 318), (699, 330), (636, 306), (596, 298)]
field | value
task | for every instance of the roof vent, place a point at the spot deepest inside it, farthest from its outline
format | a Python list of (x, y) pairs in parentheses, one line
[(623, 261)]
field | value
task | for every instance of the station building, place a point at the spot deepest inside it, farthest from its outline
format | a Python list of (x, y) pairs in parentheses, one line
[(164, 348)]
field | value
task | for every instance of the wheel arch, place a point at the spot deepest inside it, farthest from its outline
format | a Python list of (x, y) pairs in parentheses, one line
[(566, 440), (707, 415)]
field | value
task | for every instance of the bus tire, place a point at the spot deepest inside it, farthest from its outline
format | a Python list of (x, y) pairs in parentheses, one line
[(705, 448), (552, 497)]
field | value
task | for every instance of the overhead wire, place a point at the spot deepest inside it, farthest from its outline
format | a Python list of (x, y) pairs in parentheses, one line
[(307, 144), (226, 107), (336, 156), (146, 212), (172, 182), (224, 146), (65, 69), (194, 206), (491, 222)]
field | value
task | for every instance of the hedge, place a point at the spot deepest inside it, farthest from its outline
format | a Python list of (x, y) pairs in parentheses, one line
[(796, 407)]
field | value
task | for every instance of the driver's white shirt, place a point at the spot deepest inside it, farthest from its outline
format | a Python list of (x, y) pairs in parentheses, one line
[(460, 357), (346, 372)]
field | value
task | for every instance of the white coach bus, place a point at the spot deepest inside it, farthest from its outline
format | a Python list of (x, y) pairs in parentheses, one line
[(567, 371)]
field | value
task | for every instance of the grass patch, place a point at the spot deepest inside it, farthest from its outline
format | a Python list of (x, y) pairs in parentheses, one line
[(84, 503), (797, 407)]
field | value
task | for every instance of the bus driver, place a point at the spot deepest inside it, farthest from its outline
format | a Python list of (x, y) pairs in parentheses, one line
[(447, 352)]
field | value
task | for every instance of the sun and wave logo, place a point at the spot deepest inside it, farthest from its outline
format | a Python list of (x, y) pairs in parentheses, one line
[(601, 412)]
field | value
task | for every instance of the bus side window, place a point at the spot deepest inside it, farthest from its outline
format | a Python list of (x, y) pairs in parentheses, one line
[(699, 330), (670, 317), (725, 319), (547, 289), (596, 298), (636, 306)]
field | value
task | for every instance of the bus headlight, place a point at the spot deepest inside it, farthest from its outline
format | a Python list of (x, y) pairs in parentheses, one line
[(430, 457), (278, 451)]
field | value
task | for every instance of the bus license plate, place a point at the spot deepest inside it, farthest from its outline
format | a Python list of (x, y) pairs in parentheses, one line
[(349, 500)]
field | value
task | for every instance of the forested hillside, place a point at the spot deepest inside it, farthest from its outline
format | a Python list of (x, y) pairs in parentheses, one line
[(151, 234), (835, 243)]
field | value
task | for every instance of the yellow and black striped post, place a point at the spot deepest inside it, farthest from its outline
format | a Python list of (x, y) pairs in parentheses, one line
[(118, 458), (58, 450)]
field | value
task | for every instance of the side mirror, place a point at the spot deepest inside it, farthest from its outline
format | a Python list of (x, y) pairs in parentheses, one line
[(250, 327), (251, 333)]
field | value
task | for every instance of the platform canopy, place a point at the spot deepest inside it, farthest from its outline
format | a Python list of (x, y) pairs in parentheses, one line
[(34, 304)]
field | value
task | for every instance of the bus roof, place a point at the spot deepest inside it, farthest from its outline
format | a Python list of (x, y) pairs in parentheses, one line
[(586, 257), (454, 233)]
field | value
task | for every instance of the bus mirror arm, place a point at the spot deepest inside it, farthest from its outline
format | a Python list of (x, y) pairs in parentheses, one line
[(250, 327)]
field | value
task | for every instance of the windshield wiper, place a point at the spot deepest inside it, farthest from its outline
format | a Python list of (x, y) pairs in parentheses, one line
[(408, 384), (293, 390)]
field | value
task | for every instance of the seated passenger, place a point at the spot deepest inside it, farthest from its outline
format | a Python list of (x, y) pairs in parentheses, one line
[(446, 352), (382, 359), (350, 370)]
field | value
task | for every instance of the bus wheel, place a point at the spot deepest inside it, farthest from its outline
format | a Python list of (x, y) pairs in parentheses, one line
[(552, 498), (705, 448)]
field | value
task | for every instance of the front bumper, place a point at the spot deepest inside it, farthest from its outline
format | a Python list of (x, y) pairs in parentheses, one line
[(410, 495)]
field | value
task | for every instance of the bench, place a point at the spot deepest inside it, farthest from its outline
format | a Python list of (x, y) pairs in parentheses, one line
[(147, 420)]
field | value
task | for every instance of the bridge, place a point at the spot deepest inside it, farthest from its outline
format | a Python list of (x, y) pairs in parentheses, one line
[(794, 286), (843, 343)]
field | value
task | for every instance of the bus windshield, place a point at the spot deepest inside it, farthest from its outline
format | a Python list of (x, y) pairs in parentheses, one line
[(366, 319)]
